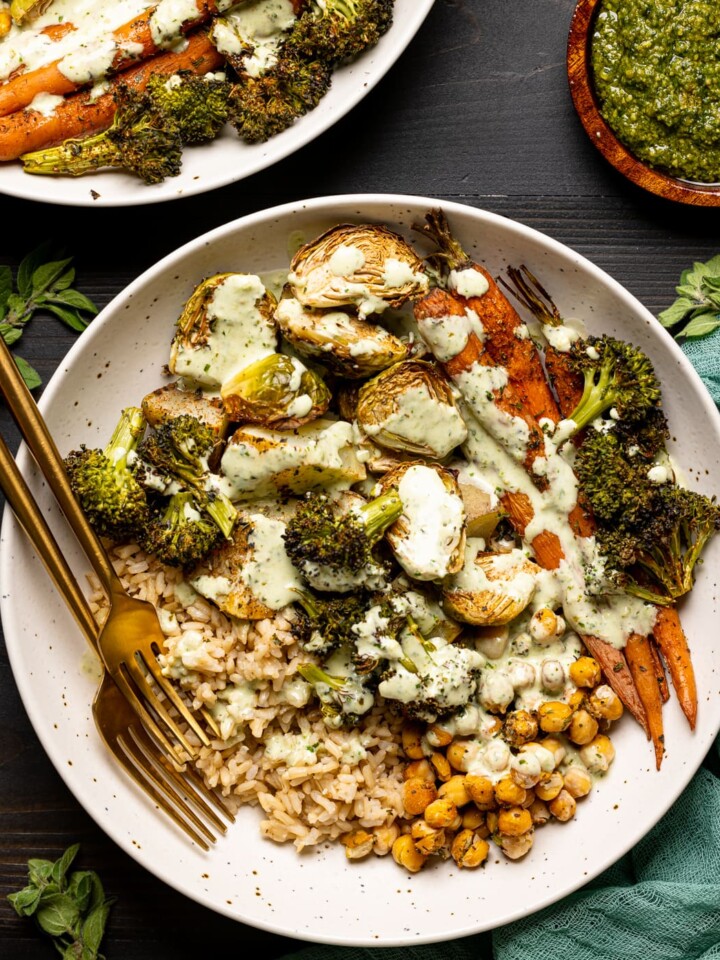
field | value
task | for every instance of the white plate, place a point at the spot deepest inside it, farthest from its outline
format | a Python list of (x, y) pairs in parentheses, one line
[(228, 158), (320, 896)]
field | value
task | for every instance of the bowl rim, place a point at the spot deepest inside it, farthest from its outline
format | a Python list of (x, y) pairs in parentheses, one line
[(582, 90)]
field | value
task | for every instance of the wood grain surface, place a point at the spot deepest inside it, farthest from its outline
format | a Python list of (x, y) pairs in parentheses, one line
[(477, 111)]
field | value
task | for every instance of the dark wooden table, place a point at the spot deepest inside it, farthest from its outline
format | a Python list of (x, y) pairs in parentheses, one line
[(477, 111)]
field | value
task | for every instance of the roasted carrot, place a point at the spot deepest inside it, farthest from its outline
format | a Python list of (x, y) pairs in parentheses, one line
[(660, 673), (79, 115), (443, 305), (134, 41), (640, 660), (617, 673), (56, 31), (670, 637)]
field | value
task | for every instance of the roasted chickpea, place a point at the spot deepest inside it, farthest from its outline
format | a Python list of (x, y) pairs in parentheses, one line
[(563, 806), (412, 742), (582, 728), (539, 813), (508, 793), (578, 781), (515, 847), (438, 737), (598, 754), (545, 626), (385, 837), (520, 727), (455, 791), (550, 786), (406, 854), (514, 822), (585, 672), (456, 754), (427, 839), (443, 770), (441, 812), (417, 794), (420, 770), (469, 849), (473, 819), (481, 791), (358, 844), (605, 704), (554, 716)]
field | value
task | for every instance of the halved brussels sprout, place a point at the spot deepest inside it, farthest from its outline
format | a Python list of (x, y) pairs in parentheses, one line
[(428, 540), (491, 588), (277, 391), (366, 266), (410, 408), (22, 10), (226, 325), (343, 343)]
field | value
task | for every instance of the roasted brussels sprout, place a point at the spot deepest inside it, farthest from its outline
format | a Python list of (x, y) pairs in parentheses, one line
[(259, 462), (428, 540), (277, 391), (26, 10), (410, 408), (340, 341), (365, 266), (225, 326), (491, 588), (170, 401)]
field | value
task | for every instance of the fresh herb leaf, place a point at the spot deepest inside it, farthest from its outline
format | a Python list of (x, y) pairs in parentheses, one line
[(43, 283), (698, 303), (69, 907), (29, 374)]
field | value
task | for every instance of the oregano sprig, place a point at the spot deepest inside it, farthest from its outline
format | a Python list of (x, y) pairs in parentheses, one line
[(70, 907), (43, 282), (696, 312)]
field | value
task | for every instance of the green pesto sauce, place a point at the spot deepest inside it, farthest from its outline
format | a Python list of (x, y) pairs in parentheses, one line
[(656, 65)]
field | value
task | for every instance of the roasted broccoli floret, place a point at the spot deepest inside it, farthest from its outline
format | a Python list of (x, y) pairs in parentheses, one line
[(334, 549), (141, 140), (261, 107), (650, 531), (616, 376), (113, 501), (324, 625), (197, 105), (343, 694), (178, 451), (181, 535), (336, 30)]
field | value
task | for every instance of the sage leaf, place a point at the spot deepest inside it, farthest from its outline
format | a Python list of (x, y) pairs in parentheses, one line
[(39, 871), (25, 901), (93, 929), (73, 298), (6, 286), (677, 312), (45, 275), (10, 334), (80, 887), (61, 866), (29, 265), (68, 317)]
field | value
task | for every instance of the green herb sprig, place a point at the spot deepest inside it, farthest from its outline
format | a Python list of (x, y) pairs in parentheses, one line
[(70, 907), (697, 307), (43, 282)]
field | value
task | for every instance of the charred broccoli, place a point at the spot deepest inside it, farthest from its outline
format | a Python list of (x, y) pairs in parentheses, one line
[(616, 375), (334, 550), (178, 451), (113, 501), (650, 531), (343, 694), (181, 535), (261, 107), (141, 140), (324, 625), (337, 30), (148, 132)]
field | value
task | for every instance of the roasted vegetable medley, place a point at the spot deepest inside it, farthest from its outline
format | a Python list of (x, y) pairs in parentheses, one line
[(374, 447)]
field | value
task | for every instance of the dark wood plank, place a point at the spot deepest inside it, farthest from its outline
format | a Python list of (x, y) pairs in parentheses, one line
[(476, 111)]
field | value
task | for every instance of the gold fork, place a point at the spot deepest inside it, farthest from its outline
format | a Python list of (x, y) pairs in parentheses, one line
[(131, 638), (119, 726)]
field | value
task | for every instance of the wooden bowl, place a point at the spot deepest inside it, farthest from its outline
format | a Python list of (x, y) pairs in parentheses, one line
[(582, 88)]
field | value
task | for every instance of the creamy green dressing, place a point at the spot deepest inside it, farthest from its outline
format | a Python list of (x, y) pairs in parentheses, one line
[(435, 517), (240, 334), (421, 419), (256, 30)]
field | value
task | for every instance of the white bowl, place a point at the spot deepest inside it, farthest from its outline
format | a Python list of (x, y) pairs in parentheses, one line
[(228, 158), (320, 896)]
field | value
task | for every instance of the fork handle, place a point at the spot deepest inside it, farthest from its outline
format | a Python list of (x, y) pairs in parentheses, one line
[(35, 432), (25, 508)]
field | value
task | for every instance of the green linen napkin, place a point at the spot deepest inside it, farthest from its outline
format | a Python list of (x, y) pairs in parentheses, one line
[(660, 902)]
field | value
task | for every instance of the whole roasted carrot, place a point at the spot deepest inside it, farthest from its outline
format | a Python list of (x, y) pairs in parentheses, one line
[(660, 673), (135, 40), (640, 660), (670, 637), (80, 115)]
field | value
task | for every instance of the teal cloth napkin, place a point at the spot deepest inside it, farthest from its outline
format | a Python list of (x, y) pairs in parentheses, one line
[(660, 902)]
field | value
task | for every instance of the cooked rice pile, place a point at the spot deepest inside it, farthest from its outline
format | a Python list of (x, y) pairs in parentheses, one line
[(356, 777)]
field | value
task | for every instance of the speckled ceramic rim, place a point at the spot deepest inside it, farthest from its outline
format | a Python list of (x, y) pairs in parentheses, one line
[(583, 94), (341, 208), (228, 160)]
